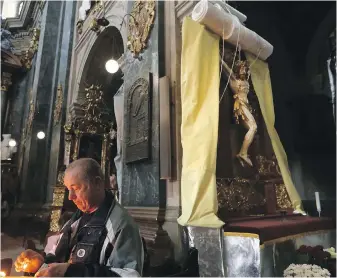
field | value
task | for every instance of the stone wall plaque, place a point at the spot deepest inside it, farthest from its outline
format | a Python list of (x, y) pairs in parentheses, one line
[(138, 121)]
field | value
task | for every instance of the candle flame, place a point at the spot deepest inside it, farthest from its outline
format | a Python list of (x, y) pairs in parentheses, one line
[(2, 274)]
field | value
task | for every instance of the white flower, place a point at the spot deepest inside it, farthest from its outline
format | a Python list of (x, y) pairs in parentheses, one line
[(305, 271)]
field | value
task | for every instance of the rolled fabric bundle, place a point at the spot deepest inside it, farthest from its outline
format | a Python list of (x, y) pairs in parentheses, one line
[(229, 27), (217, 21), (229, 9)]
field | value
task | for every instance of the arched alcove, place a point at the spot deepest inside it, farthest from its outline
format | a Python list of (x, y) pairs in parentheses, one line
[(108, 45)]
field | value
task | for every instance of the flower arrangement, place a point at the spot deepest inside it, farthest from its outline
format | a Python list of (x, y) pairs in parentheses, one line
[(305, 270)]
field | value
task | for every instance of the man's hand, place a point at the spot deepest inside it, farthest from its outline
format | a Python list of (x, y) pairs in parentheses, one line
[(28, 261), (53, 270)]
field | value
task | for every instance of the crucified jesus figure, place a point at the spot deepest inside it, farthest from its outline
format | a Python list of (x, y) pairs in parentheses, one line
[(238, 82)]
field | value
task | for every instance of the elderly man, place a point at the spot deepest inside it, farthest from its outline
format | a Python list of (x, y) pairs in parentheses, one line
[(100, 239)]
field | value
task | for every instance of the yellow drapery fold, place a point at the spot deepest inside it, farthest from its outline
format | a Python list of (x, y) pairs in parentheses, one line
[(262, 86), (199, 125)]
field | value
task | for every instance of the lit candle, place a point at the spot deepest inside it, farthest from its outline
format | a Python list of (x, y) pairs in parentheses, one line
[(318, 203)]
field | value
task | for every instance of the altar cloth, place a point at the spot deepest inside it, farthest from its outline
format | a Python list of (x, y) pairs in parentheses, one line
[(280, 229)]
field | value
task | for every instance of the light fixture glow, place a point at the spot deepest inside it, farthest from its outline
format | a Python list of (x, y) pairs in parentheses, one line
[(111, 66), (12, 143), (41, 135)]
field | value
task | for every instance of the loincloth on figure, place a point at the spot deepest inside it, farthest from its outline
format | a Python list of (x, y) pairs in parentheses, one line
[(238, 109)]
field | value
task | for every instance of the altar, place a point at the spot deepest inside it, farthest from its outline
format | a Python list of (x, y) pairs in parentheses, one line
[(258, 247), (240, 207)]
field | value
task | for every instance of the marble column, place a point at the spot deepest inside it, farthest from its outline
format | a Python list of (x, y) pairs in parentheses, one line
[(51, 68), (6, 82), (60, 100)]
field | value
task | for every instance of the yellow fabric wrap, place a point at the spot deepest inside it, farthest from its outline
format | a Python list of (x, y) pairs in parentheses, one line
[(199, 125), (262, 86)]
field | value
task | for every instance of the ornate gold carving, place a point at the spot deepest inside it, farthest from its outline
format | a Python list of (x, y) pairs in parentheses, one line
[(94, 26), (6, 81), (58, 105), (98, 6), (54, 220), (79, 26), (31, 116), (58, 198), (140, 24), (268, 167), (27, 57), (93, 121), (282, 197), (238, 195)]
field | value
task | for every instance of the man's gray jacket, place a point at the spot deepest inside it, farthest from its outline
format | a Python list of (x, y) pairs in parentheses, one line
[(108, 245)]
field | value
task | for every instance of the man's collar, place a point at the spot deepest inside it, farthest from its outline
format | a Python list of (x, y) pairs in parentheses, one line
[(100, 216)]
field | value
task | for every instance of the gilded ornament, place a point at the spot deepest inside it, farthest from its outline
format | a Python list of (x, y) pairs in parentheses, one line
[(282, 197), (94, 26), (31, 116), (98, 6), (58, 105), (140, 25), (238, 194), (93, 121), (268, 167), (54, 220), (28, 55)]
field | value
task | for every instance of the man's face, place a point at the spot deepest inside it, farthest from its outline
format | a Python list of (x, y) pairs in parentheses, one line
[(82, 194)]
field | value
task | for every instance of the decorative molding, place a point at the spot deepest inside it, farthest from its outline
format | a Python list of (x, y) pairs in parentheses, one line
[(58, 105), (140, 24), (150, 221), (28, 55), (25, 16)]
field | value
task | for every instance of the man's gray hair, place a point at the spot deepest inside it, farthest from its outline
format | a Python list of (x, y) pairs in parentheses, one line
[(87, 170)]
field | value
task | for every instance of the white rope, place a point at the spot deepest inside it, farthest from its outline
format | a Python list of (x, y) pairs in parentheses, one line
[(236, 48)]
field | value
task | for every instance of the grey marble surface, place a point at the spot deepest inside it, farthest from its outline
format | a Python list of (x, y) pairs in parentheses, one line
[(209, 243), (241, 256), (141, 184)]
